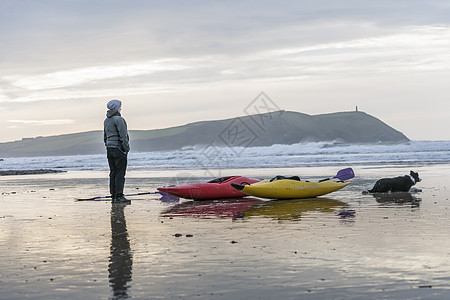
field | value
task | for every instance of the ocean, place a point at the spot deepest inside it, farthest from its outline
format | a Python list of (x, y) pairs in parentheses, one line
[(318, 154)]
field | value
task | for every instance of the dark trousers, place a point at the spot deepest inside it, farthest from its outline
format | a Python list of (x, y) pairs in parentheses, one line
[(117, 161)]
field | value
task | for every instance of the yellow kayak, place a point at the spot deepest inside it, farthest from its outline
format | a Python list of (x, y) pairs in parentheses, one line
[(290, 189)]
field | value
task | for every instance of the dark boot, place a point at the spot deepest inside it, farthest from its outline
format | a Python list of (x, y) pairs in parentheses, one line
[(121, 198)]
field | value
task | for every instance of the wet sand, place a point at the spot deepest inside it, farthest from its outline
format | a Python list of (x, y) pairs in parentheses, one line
[(344, 245)]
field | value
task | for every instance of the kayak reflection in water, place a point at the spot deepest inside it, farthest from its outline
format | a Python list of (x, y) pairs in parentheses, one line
[(120, 260), (294, 209), (237, 209), (207, 209)]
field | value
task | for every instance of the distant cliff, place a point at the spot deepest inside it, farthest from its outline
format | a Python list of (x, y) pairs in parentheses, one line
[(281, 127)]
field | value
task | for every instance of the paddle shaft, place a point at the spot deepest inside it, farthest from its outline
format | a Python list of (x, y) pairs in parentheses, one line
[(106, 197)]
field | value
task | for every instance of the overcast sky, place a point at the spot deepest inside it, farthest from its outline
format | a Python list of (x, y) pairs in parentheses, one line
[(175, 62)]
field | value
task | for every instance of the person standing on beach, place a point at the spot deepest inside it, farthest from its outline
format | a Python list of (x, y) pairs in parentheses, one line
[(117, 147)]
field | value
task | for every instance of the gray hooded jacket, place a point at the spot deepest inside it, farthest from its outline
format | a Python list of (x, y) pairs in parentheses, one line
[(115, 131)]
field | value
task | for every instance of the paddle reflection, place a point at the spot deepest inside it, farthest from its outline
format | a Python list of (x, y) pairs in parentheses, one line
[(120, 260), (207, 209), (293, 210)]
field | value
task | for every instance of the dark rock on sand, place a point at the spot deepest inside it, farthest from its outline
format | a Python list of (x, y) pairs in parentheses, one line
[(28, 172)]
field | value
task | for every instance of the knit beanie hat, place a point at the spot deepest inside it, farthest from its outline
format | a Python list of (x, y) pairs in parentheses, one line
[(114, 106)]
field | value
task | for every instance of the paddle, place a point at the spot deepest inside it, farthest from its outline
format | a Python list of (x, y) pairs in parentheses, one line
[(344, 174), (106, 197)]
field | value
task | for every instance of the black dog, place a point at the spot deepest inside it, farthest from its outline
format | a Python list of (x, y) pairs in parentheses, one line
[(397, 184)]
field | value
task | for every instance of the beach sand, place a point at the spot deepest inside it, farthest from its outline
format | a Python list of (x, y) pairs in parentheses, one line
[(344, 245)]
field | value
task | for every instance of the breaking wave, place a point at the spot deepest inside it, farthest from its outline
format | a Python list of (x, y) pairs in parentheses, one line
[(283, 156)]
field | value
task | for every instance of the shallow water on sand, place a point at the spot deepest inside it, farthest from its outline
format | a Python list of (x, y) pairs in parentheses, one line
[(344, 245)]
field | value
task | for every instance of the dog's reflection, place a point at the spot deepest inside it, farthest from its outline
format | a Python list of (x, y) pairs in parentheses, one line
[(399, 198), (120, 260)]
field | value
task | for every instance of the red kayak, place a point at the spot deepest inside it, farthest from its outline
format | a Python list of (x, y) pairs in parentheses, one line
[(219, 188)]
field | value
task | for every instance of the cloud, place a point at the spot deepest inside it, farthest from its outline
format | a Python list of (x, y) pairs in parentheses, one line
[(61, 94), (43, 122), (412, 44), (76, 77), (420, 48), (410, 37)]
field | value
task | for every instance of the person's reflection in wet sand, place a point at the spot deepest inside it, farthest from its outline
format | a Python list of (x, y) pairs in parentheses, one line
[(121, 260)]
